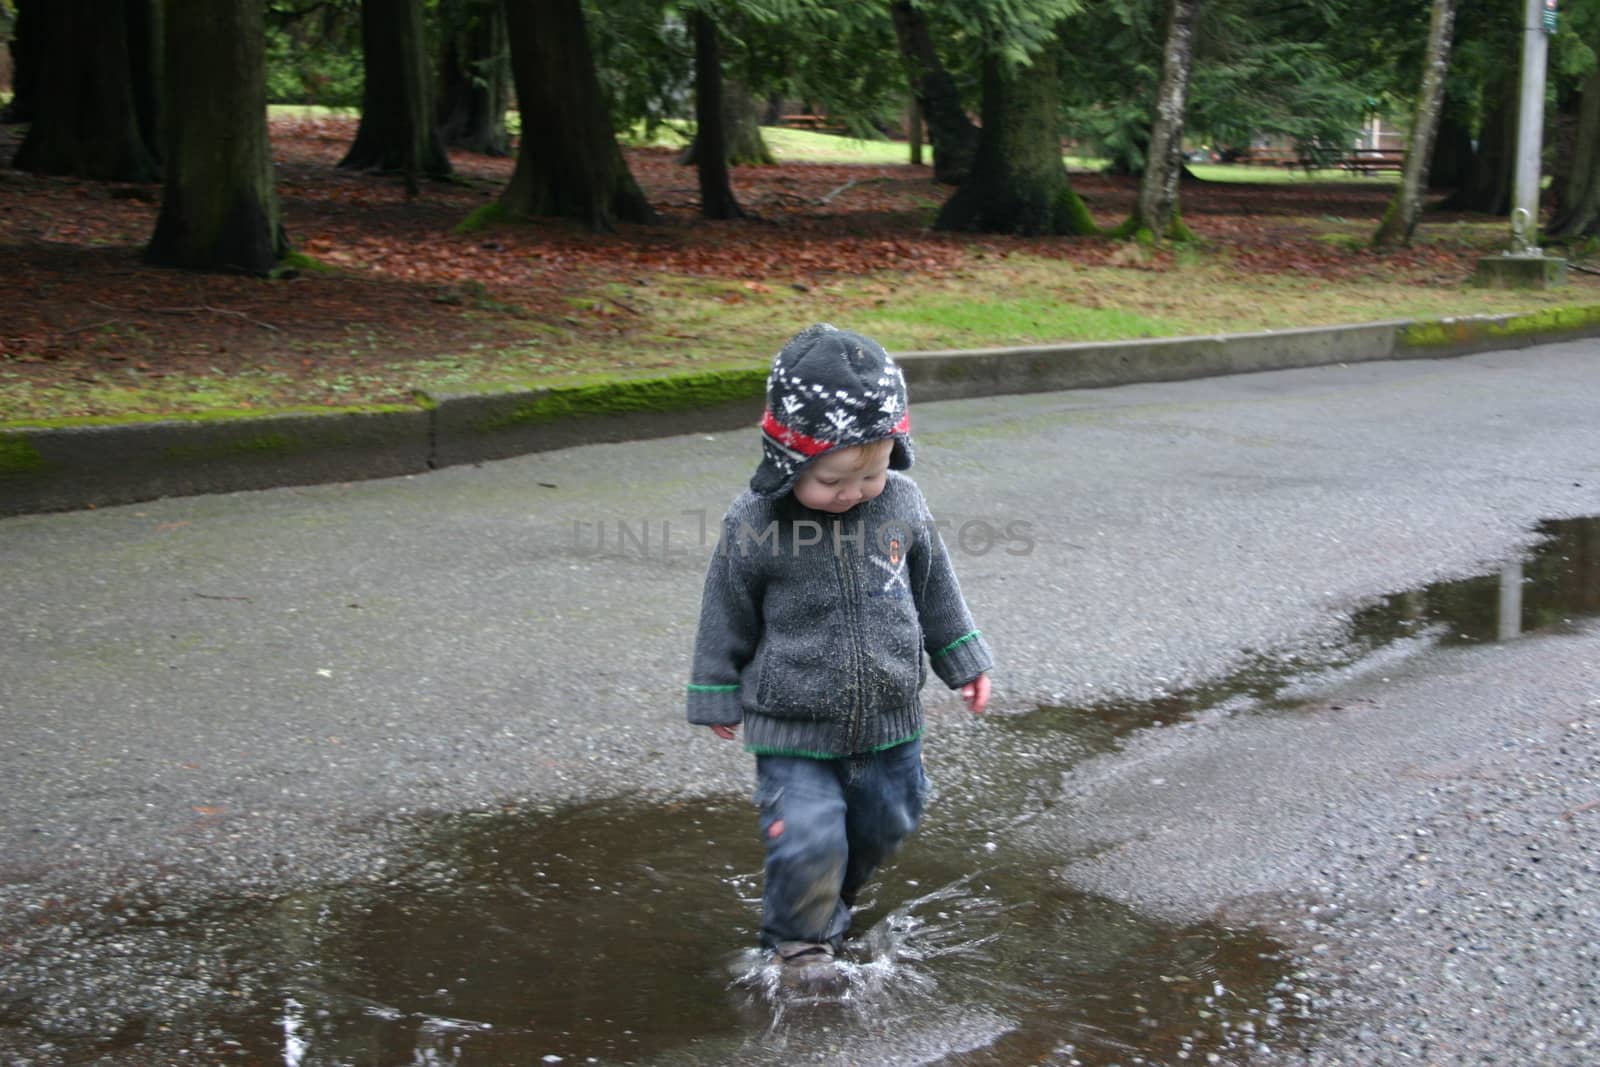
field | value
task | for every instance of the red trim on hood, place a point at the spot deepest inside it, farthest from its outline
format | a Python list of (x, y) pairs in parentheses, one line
[(810, 446)]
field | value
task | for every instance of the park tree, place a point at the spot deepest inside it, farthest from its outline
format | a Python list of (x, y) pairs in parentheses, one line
[(1487, 185), (474, 76), (954, 137), (742, 35), (82, 66), (219, 210), (711, 158), (1156, 211), (568, 162), (1452, 145), (1485, 76), (397, 131), (1576, 56), (1018, 182), (1400, 219)]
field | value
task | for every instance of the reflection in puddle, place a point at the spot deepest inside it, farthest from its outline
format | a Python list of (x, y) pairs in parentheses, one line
[(612, 934), (1556, 586)]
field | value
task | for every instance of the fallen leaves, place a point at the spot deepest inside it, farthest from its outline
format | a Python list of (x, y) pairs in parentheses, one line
[(86, 318)]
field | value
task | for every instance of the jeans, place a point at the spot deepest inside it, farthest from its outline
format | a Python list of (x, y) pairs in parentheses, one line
[(827, 824)]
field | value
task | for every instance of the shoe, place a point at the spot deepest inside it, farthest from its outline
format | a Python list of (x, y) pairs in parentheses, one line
[(812, 974)]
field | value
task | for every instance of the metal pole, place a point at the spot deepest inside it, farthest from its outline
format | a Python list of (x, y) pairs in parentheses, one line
[(1530, 128)]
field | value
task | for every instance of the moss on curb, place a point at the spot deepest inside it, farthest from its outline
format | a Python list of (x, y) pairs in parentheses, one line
[(1560, 318), (1435, 333), (631, 396), (18, 456), (219, 415), (260, 444)]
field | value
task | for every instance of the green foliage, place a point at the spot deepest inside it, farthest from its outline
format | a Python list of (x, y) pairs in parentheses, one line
[(645, 61), (839, 60), (1307, 72), (1014, 30), (1110, 68), (314, 57)]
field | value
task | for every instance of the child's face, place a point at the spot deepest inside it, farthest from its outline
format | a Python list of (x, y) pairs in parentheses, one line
[(845, 477)]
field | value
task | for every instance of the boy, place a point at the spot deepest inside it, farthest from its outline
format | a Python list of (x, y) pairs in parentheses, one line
[(827, 587)]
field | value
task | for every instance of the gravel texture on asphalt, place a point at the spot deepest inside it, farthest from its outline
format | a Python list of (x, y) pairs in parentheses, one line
[(1427, 838)]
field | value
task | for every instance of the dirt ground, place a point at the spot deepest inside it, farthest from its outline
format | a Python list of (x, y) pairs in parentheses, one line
[(82, 311)]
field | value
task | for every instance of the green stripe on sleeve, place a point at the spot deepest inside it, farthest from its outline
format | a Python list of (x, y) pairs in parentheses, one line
[(957, 643)]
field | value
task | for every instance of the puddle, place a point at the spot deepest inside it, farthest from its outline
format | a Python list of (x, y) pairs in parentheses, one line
[(1555, 587), (615, 934)]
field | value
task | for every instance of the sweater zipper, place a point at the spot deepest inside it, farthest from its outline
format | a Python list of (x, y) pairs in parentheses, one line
[(853, 624)]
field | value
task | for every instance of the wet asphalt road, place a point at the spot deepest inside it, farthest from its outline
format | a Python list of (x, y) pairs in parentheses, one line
[(241, 693)]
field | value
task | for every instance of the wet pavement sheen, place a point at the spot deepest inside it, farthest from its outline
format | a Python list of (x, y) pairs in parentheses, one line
[(618, 932), (613, 933)]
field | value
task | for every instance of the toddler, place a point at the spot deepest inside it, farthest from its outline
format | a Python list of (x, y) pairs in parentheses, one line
[(829, 594)]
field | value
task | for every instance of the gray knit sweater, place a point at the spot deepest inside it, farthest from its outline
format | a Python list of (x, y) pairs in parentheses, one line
[(813, 626)]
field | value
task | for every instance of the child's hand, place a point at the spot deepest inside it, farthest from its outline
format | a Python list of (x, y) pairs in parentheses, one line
[(976, 694), (727, 732)]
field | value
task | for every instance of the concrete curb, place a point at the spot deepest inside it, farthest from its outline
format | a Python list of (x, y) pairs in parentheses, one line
[(55, 468)]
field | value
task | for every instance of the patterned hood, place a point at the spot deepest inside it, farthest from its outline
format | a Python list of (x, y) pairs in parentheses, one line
[(829, 388)]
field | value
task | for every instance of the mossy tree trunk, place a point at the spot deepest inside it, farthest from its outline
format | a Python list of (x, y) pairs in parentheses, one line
[(740, 115), (474, 77), (1018, 182), (952, 134), (1488, 185), (24, 65), (1579, 214), (711, 162), (84, 120), (741, 130), (219, 210), (1400, 220), (397, 132), (1157, 208), (568, 162)]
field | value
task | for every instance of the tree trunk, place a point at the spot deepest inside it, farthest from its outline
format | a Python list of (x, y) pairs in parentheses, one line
[(84, 121), (1018, 182), (741, 132), (1488, 186), (219, 210), (716, 194), (1400, 220), (1579, 214), (474, 77), (24, 66), (568, 162), (954, 138), (144, 70), (1452, 152), (396, 131), (1560, 141), (1157, 209), (914, 131)]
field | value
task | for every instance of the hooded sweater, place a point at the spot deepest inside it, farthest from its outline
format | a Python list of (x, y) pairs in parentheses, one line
[(816, 629)]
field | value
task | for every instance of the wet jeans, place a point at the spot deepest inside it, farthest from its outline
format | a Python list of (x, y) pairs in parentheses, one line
[(827, 825)]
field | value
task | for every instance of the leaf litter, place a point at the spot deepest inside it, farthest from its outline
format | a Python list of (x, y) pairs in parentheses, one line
[(406, 298)]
